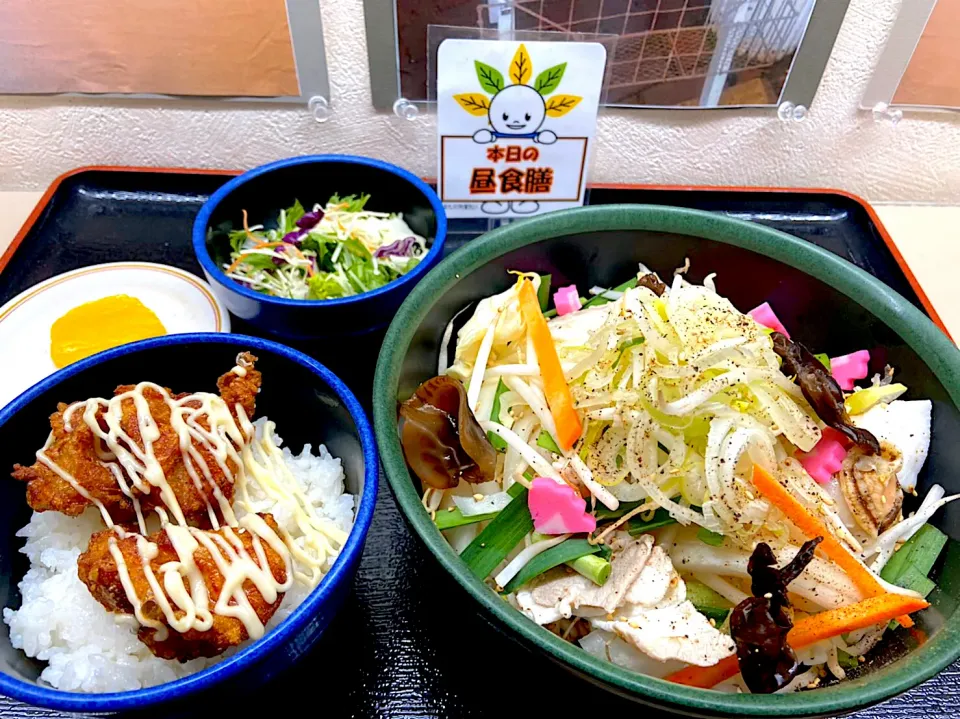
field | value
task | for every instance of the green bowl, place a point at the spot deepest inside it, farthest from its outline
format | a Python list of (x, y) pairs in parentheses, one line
[(827, 303)]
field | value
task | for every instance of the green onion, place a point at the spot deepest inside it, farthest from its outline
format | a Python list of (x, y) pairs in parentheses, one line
[(701, 595), (601, 300), (449, 519), (912, 578), (566, 551), (453, 517), (707, 601), (624, 347), (715, 613), (498, 538), (824, 360), (593, 567), (494, 438), (547, 442), (708, 537), (543, 294), (604, 513), (920, 552), (594, 430), (847, 662), (661, 518)]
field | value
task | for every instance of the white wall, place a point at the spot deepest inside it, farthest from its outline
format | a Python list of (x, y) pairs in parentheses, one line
[(836, 146)]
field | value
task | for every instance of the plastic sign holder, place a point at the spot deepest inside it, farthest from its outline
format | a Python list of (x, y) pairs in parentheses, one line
[(516, 121)]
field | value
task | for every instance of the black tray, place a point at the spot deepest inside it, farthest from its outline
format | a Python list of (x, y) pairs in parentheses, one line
[(409, 642)]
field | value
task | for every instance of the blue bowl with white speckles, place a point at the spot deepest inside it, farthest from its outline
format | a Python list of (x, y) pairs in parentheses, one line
[(319, 410)]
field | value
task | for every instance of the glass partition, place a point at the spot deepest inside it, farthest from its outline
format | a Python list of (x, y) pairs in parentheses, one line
[(668, 53)]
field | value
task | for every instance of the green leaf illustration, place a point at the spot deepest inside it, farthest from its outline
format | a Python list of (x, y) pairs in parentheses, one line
[(548, 80), (490, 78)]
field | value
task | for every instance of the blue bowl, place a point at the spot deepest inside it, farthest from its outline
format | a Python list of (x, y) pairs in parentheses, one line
[(309, 405), (265, 190)]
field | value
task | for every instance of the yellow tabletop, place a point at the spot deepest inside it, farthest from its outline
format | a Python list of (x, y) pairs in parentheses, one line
[(927, 236)]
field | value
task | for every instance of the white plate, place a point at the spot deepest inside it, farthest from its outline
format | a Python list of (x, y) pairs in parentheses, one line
[(181, 301)]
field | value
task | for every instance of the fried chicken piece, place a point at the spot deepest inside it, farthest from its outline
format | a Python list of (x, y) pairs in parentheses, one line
[(166, 449), (75, 453), (241, 388), (98, 570)]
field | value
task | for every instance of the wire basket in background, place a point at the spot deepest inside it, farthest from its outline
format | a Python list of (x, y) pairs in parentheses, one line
[(682, 52)]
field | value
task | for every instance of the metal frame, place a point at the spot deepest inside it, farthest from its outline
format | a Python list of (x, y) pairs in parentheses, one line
[(802, 82), (309, 57), (902, 43)]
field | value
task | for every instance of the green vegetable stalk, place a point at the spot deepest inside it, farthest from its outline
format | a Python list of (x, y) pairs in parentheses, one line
[(707, 537), (595, 568), (495, 439), (569, 551), (498, 538), (453, 517)]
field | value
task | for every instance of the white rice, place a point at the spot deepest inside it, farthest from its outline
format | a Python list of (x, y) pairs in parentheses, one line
[(85, 648)]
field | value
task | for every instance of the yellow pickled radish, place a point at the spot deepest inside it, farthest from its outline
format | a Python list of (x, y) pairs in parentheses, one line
[(99, 325)]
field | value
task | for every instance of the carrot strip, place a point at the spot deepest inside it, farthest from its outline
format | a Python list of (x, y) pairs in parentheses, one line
[(263, 246), (706, 677), (246, 227), (811, 630), (851, 617), (236, 263), (302, 257), (811, 527), (555, 386), (245, 255)]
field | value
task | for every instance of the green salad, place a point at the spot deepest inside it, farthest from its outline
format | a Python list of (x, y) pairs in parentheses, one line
[(334, 250)]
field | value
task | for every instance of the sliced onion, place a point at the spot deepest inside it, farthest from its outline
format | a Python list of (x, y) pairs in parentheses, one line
[(541, 466), (885, 544), (721, 586), (514, 370), (536, 401), (795, 424), (709, 355), (586, 476), (480, 366), (611, 295), (822, 582), (513, 463), (470, 507), (590, 360), (639, 442), (708, 389), (442, 363)]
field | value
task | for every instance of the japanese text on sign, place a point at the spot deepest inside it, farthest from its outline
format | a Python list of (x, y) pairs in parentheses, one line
[(516, 124)]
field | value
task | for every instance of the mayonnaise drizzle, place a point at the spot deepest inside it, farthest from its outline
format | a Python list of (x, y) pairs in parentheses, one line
[(264, 464), (71, 480), (179, 589)]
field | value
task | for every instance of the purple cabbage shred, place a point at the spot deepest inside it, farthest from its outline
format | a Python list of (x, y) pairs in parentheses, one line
[(310, 220), (294, 238), (402, 248)]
